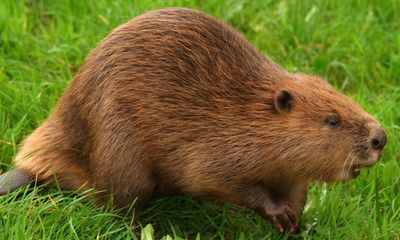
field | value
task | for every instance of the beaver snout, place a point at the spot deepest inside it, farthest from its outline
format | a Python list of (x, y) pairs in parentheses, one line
[(379, 139)]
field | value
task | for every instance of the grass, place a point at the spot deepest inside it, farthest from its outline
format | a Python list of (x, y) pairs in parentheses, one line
[(354, 44)]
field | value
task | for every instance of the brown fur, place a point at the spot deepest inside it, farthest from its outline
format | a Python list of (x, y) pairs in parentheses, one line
[(175, 101)]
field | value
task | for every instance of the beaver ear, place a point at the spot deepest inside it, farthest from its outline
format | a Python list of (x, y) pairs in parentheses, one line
[(283, 100)]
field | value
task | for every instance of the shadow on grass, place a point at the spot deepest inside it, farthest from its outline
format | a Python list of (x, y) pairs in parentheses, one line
[(186, 217), (181, 216)]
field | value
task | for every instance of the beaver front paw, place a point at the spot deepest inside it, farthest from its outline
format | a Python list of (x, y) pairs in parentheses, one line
[(281, 216)]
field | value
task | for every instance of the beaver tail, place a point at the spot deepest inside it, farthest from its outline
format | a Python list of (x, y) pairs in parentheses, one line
[(11, 180)]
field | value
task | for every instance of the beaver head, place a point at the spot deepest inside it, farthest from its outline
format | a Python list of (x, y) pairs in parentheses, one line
[(322, 134)]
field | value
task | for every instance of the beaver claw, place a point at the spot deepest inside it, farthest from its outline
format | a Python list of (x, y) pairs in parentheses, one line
[(281, 216)]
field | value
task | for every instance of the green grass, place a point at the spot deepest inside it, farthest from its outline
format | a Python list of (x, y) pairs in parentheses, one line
[(354, 44)]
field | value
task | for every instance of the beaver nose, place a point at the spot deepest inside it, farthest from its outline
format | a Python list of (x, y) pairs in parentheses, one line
[(379, 139)]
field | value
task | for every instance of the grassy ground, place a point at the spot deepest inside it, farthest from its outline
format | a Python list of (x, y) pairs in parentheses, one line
[(354, 44)]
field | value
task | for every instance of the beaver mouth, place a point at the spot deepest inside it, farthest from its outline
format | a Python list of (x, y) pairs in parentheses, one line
[(356, 168), (364, 160)]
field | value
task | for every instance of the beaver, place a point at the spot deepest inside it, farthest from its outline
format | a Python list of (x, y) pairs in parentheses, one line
[(177, 102)]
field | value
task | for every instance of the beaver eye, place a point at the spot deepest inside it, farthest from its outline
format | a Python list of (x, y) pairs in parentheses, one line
[(332, 121)]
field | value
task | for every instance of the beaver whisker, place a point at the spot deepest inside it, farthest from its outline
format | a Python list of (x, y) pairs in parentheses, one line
[(351, 163), (344, 166)]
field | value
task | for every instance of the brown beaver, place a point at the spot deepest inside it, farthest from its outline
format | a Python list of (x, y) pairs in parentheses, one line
[(177, 102)]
